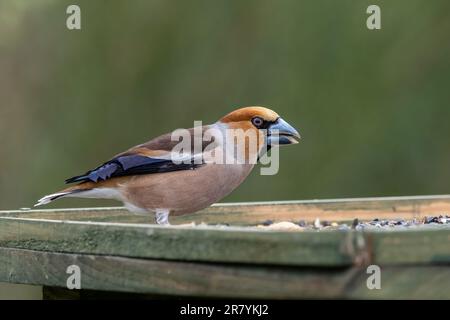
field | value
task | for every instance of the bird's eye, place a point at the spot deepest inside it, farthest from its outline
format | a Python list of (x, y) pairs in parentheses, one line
[(257, 122)]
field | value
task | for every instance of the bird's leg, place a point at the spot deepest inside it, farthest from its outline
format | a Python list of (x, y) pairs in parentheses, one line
[(162, 217)]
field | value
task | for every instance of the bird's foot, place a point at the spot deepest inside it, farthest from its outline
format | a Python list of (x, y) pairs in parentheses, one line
[(162, 217)]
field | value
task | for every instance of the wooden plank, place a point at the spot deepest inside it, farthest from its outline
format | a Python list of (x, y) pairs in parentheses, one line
[(418, 247), (211, 244), (410, 207), (171, 278), (400, 282), (229, 244), (165, 279)]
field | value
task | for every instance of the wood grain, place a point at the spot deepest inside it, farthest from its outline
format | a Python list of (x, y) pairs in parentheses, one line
[(211, 244), (103, 276), (409, 207), (121, 252), (170, 278)]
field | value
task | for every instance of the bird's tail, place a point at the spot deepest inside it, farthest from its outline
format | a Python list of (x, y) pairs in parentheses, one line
[(69, 192)]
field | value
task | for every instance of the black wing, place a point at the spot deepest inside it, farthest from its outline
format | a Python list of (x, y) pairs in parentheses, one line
[(128, 165)]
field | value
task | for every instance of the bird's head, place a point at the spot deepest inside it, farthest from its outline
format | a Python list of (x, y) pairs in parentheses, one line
[(266, 122)]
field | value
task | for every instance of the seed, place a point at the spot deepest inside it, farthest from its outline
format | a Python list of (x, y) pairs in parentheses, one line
[(355, 223)]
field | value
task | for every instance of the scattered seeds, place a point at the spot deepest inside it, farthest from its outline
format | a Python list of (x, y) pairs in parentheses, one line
[(301, 223), (355, 223), (317, 224), (285, 226)]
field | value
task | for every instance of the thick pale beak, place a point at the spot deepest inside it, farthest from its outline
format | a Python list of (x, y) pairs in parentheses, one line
[(281, 133)]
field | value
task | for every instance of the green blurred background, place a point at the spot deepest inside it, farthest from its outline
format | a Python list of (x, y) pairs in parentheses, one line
[(372, 106)]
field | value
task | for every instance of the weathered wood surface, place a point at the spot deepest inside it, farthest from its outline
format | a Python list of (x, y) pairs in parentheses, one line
[(117, 274), (210, 244), (169, 278), (121, 252), (404, 282), (256, 212), (419, 247), (227, 244)]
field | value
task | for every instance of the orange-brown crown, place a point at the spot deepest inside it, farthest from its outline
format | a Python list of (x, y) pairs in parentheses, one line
[(247, 113)]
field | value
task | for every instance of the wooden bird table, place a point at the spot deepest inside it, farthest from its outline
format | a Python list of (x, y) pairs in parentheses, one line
[(121, 255)]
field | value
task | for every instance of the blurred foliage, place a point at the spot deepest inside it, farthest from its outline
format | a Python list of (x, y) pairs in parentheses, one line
[(372, 106)]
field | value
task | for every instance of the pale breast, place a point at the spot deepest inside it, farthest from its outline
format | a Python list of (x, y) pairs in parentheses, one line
[(185, 191)]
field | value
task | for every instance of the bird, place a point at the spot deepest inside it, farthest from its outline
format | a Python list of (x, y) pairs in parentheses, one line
[(156, 179)]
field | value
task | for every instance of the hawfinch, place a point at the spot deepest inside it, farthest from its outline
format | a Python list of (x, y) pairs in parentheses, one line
[(156, 177)]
